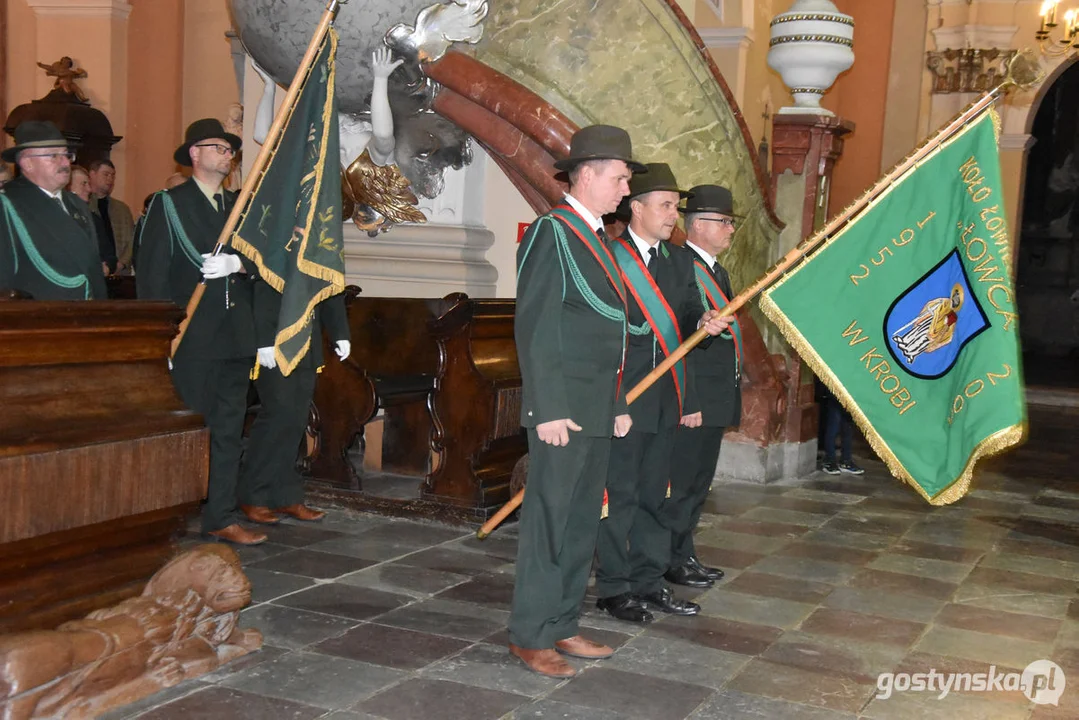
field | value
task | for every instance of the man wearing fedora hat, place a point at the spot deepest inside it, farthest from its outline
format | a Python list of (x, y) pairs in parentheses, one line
[(570, 328), (48, 245), (664, 309), (709, 218), (211, 365)]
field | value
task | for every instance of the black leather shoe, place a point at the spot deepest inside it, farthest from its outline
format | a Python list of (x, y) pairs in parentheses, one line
[(665, 601), (625, 607), (709, 572), (686, 575)]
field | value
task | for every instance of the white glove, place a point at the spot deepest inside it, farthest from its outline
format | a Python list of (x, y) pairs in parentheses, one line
[(170, 363), (219, 266), (266, 358), (344, 347)]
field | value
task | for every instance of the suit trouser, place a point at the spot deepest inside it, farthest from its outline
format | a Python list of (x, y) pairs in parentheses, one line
[(633, 545), (693, 465), (557, 540), (269, 476), (217, 390)]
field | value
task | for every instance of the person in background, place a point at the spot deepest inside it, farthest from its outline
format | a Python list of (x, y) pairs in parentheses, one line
[(80, 186), (114, 213)]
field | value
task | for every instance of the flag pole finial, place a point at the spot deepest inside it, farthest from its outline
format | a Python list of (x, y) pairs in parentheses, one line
[(1024, 70)]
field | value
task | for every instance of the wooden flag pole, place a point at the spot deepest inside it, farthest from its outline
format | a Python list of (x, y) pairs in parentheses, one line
[(785, 263), (263, 158)]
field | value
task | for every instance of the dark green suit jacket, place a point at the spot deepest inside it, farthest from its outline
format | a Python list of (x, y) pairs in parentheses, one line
[(330, 316), (223, 323), (569, 353), (65, 245), (714, 369), (679, 287)]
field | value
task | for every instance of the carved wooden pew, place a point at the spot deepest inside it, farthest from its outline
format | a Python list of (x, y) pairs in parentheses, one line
[(445, 373), (100, 462)]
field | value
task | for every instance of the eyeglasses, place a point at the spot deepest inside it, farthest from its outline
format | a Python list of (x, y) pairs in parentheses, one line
[(221, 149), (69, 154), (722, 220)]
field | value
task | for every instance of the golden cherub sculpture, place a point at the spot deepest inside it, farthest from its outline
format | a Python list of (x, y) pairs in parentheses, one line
[(66, 74)]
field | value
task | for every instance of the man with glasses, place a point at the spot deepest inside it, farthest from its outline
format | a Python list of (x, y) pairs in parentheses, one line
[(48, 246), (211, 366), (709, 216)]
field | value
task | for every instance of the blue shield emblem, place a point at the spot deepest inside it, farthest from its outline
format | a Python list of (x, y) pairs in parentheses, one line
[(928, 325)]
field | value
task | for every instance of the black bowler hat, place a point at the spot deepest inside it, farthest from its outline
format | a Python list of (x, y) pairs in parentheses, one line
[(205, 129), (659, 177), (710, 198), (600, 142), (35, 134)]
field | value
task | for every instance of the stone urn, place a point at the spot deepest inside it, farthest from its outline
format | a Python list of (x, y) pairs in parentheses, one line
[(810, 45)]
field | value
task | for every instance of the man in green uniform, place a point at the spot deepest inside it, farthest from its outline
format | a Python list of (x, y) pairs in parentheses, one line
[(664, 310), (716, 369), (48, 246), (211, 366), (270, 483), (570, 333)]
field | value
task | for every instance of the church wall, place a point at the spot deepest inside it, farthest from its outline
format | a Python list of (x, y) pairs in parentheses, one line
[(21, 48), (209, 79)]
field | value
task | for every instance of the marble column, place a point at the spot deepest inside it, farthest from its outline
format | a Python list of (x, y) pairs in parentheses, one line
[(778, 435)]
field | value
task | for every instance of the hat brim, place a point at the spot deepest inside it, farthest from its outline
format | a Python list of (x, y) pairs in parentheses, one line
[(682, 194), (567, 164), (718, 211), (8, 155), (182, 156)]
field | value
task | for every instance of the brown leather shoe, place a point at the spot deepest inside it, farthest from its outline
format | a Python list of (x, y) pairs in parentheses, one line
[(235, 533), (301, 512), (260, 514), (580, 647), (545, 662)]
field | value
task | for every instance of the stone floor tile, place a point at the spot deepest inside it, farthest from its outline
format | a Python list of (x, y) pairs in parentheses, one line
[(871, 628), (158, 699), (807, 569), (1017, 601), (953, 671), (743, 526), (416, 582), (632, 695), (493, 667), (735, 705), (717, 633), (968, 534), (1032, 564), (290, 628), (753, 608), (832, 553), (265, 654), (802, 504), (391, 646), (449, 559), (308, 563), (215, 702), (498, 545), (1002, 651), (832, 498), (267, 585), (663, 657), (427, 699), (922, 567), (884, 603), (347, 601), (493, 590), (854, 520), (859, 656), (1056, 551), (753, 582), (819, 689), (840, 486), (954, 706), (552, 710), (721, 538), (844, 538), (350, 522), (726, 558), (298, 535), (903, 584), (314, 679), (421, 534), (1013, 580), (249, 554), (996, 622), (371, 550), (933, 551), (772, 515), (467, 621)]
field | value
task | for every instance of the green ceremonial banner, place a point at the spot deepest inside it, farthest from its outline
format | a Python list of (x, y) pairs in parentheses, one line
[(291, 227), (908, 314)]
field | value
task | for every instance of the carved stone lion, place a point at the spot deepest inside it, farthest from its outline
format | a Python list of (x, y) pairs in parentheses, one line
[(183, 625)]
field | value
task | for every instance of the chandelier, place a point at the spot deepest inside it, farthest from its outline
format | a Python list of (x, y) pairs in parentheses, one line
[(1070, 39)]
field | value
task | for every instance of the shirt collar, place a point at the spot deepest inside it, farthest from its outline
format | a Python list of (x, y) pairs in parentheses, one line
[(642, 246), (592, 220), (58, 195), (209, 192), (708, 259)]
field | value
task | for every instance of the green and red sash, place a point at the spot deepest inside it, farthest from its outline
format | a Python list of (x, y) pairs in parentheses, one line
[(718, 300), (591, 240), (656, 310)]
